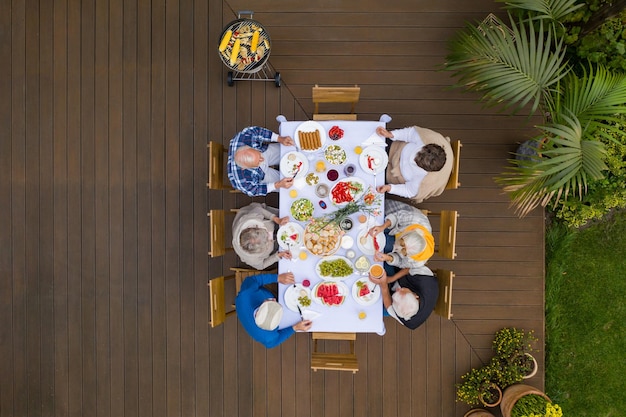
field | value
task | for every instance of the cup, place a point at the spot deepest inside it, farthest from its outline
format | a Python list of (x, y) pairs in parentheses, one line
[(376, 271), (320, 166), (349, 170), (332, 175), (362, 315)]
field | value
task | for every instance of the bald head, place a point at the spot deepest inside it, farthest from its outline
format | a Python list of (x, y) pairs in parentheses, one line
[(248, 158)]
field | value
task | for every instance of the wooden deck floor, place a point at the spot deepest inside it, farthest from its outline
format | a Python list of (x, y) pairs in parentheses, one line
[(105, 111)]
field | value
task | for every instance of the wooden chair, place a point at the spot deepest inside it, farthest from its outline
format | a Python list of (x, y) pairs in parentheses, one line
[(242, 273), (447, 232), (216, 152), (217, 233), (334, 361), (335, 95), (453, 181), (443, 307), (218, 302)]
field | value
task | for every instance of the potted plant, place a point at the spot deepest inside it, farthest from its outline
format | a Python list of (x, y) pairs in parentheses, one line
[(478, 412), (525, 67), (513, 352), (521, 400), (478, 388)]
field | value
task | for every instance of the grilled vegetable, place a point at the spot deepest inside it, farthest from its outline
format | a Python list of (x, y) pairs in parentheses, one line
[(255, 41), (225, 40), (235, 52)]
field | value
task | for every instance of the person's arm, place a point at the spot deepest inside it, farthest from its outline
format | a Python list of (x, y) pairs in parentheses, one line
[(257, 281), (277, 337), (407, 190), (401, 273), (407, 134)]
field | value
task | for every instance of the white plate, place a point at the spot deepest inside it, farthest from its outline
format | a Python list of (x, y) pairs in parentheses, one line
[(294, 162), (355, 195), (333, 258), (368, 299), (291, 297), (284, 233), (341, 287), (368, 247), (310, 126), (379, 159)]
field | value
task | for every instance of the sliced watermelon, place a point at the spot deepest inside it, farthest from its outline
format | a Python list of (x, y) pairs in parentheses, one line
[(364, 290)]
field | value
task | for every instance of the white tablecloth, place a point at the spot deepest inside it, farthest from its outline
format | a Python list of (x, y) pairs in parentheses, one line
[(343, 318)]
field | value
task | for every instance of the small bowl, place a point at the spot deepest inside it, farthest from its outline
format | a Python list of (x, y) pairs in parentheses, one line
[(347, 242), (332, 175), (350, 254), (322, 190), (346, 224)]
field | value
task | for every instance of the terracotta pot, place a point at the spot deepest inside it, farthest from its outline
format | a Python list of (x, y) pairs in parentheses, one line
[(496, 401), (514, 393), (533, 371), (478, 412)]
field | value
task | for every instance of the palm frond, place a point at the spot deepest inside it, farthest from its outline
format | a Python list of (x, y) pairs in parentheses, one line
[(554, 10), (509, 71)]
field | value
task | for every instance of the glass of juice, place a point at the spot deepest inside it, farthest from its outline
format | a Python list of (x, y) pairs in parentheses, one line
[(376, 271)]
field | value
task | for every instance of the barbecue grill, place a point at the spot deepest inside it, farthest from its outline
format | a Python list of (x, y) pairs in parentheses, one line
[(244, 47)]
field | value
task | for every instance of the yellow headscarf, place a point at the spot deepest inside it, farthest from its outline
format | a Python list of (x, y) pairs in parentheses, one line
[(429, 249)]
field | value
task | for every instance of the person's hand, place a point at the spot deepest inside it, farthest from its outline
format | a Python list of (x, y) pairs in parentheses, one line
[(303, 326), (375, 231), (382, 257), (286, 182), (281, 221), (284, 254), (286, 141), (381, 131), (383, 188), (382, 281), (286, 278)]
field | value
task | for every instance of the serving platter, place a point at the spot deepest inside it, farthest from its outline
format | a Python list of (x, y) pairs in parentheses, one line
[(339, 289), (337, 260), (309, 126), (347, 190)]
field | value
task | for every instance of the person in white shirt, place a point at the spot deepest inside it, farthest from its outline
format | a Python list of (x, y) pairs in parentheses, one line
[(420, 163)]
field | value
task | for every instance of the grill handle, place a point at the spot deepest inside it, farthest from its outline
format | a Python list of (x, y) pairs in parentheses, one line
[(245, 13)]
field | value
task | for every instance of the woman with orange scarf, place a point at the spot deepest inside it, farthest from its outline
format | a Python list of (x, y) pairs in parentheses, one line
[(414, 242)]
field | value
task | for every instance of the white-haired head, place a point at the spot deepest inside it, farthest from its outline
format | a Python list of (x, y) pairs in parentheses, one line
[(247, 157), (405, 303)]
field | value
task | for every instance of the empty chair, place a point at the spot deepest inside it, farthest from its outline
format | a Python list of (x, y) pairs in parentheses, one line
[(443, 307), (334, 361), (217, 233), (218, 302), (349, 95), (446, 245), (453, 181)]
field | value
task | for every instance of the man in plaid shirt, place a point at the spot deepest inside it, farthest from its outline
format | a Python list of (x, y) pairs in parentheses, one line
[(251, 155)]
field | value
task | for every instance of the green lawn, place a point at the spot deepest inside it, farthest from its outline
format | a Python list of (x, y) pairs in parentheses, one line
[(586, 319)]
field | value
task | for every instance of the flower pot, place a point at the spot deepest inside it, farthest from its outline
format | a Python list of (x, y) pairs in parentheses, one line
[(514, 393), (533, 371), (478, 412), (498, 397)]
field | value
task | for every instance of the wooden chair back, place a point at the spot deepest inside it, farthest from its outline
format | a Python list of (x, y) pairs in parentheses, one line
[(446, 245), (453, 181), (443, 307), (218, 301), (334, 361), (242, 273), (215, 157), (348, 95), (217, 233)]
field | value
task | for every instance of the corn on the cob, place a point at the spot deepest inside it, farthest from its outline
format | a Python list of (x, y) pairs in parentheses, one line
[(225, 40), (235, 52), (255, 41)]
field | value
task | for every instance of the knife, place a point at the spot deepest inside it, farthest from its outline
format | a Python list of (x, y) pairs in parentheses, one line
[(300, 311)]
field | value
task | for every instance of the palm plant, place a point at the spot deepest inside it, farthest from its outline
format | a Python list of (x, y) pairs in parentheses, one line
[(523, 65)]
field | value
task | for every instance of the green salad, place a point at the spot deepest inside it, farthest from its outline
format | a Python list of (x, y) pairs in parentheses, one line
[(302, 209)]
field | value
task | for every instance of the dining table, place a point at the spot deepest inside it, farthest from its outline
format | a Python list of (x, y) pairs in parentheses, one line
[(345, 154)]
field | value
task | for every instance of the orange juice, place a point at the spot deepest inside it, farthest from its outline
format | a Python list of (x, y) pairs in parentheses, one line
[(358, 150), (376, 271), (362, 218), (362, 315), (320, 166), (302, 255), (293, 193)]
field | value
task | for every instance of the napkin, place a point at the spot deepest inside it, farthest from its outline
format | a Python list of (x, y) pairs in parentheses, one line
[(310, 314), (374, 139)]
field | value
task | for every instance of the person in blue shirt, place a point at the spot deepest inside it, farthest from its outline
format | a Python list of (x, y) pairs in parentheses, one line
[(251, 155), (260, 314)]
